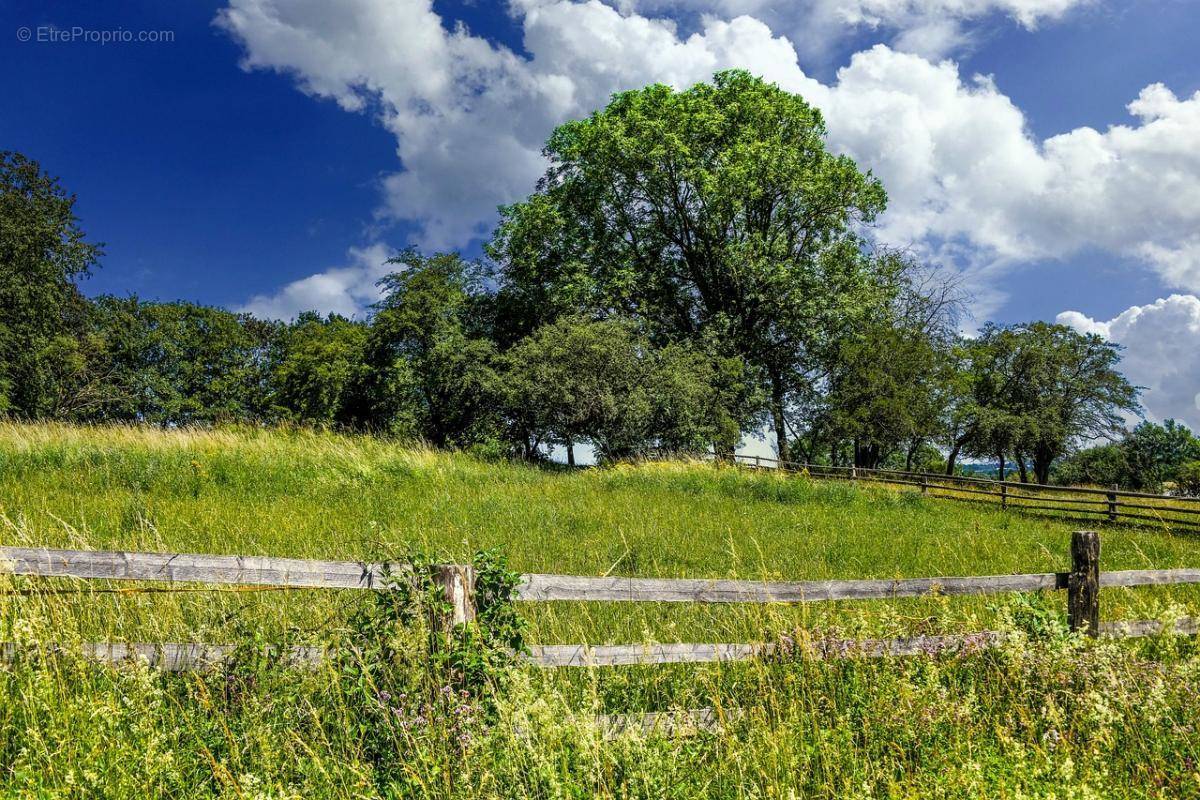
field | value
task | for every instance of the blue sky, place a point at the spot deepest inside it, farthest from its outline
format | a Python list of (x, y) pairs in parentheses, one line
[(272, 154)]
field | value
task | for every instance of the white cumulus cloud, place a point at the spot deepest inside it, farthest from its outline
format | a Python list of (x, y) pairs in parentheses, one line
[(347, 290), (968, 183), (932, 28), (1162, 353), (960, 166)]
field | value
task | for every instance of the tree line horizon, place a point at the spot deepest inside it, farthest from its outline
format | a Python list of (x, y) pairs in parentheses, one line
[(694, 265)]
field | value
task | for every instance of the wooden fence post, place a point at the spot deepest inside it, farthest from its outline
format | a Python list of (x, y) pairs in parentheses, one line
[(1112, 504), (1003, 496), (924, 483), (1083, 583), (457, 582)]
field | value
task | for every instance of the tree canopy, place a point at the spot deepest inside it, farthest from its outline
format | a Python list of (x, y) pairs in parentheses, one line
[(43, 315), (1036, 390), (693, 265), (713, 208)]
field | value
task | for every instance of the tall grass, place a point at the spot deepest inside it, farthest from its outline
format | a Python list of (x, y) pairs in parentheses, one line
[(1052, 717)]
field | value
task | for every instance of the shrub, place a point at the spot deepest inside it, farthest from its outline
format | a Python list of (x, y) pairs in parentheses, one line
[(1187, 479)]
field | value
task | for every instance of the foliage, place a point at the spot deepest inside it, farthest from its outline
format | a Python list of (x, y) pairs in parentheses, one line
[(428, 358), (716, 208), (886, 390), (1146, 458), (1155, 453), (43, 314), (402, 672), (1037, 389), (1187, 479), (603, 381), (181, 363), (315, 366), (1103, 465), (692, 265)]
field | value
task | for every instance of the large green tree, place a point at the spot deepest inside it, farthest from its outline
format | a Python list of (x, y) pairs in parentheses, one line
[(887, 392), (431, 364), (43, 315), (890, 378), (604, 382), (180, 363), (1037, 390), (315, 366), (1154, 453), (717, 208)]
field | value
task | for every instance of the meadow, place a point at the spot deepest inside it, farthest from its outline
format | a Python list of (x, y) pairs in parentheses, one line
[(1048, 715)]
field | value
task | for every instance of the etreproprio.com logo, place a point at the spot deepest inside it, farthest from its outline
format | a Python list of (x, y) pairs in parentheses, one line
[(52, 34)]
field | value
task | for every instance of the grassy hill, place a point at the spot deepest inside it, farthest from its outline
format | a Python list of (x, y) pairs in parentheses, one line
[(1058, 716)]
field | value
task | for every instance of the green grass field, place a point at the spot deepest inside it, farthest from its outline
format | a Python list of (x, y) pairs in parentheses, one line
[(1029, 721)]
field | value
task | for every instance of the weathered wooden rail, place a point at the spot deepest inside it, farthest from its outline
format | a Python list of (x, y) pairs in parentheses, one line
[(187, 656), (535, 587), (1082, 583), (1110, 504)]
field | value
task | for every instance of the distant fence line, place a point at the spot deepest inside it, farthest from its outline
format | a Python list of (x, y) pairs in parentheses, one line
[(1082, 584), (1103, 504)]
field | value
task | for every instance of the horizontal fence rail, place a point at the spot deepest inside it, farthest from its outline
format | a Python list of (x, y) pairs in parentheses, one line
[(186, 567), (188, 656), (1103, 504), (693, 590), (1082, 583), (686, 722), (301, 574)]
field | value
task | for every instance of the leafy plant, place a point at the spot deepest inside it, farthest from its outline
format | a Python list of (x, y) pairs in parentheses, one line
[(405, 675)]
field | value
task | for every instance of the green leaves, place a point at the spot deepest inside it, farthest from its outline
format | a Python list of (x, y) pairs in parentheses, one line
[(605, 382), (316, 365), (42, 252), (714, 206), (1146, 459), (1037, 389), (428, 354)]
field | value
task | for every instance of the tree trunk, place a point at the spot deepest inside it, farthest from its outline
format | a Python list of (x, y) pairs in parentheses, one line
[(952, 458), (1001, 456), (570, 453), (867, 455), (1021, 466), (781, 442), (1042, 458), (912, 452), (874, 455)]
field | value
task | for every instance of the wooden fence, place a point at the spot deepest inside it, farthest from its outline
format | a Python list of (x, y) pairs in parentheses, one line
[(1110, 505), (1082, 584)]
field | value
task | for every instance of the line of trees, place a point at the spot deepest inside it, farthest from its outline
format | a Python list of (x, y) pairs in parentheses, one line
[(1148, 458), (694, 265)]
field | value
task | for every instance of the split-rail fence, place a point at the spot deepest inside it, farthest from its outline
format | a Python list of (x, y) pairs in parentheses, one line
[(1082, 584), (1104, 505)]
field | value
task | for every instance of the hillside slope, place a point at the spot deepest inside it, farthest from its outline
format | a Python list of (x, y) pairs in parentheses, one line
[(316, 495), (1047, 715)]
